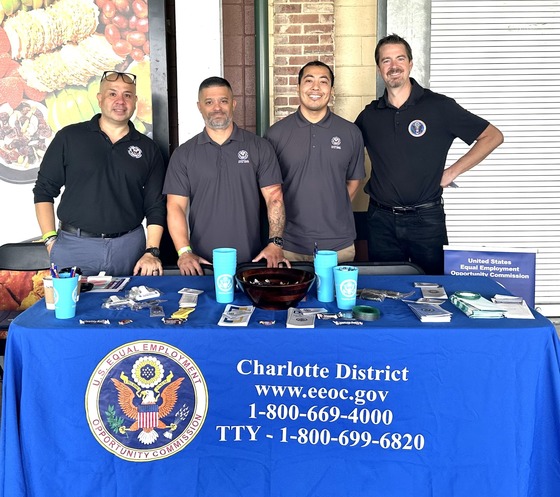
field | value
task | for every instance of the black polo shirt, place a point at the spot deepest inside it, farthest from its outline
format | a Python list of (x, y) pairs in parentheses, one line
[(408, 146), (316, 160), (108, 187), (223, 185)]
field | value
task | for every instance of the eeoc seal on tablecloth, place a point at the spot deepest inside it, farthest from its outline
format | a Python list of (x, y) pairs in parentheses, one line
[(146, 400)]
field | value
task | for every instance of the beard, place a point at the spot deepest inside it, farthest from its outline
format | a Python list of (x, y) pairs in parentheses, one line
[(218, 121), (395, 82)]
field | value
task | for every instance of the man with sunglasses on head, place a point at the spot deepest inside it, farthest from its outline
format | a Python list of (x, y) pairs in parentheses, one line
[(111, 176)]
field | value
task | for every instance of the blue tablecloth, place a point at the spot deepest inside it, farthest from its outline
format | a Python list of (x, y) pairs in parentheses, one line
[(393, 408)]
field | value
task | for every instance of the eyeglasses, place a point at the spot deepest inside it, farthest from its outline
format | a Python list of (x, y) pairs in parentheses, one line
[(114, 75)]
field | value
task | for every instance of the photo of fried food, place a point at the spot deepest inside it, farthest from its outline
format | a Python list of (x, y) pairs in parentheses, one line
[(20, 289)]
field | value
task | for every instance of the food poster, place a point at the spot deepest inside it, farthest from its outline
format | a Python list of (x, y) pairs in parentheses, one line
[(52, 55)]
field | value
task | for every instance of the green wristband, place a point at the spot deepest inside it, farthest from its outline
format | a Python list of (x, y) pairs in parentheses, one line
[(184, 250), (49, 234)]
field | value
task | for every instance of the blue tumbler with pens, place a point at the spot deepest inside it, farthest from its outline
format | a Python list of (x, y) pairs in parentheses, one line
[(65, 294)]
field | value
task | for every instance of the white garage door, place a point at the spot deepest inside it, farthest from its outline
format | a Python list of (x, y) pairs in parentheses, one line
[(501, 60)]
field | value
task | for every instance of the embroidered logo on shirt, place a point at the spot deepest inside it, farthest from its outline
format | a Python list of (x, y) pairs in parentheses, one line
[(135, 151), (417, 128), (243, 157), (146, 400), (336, 142)]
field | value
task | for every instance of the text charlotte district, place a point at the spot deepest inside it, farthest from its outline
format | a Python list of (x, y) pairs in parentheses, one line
[(340, 371)]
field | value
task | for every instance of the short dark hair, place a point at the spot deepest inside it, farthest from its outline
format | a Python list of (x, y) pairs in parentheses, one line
[(214, 81), (393, 39), (317, 63)]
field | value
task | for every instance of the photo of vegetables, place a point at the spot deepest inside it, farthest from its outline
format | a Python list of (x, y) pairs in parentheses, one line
[(52, 54)]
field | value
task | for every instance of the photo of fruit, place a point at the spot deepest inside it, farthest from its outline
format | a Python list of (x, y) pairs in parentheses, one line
[(52, 55)]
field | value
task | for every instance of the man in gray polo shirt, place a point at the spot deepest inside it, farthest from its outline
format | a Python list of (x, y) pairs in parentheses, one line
[(218, 175), (321, 156)]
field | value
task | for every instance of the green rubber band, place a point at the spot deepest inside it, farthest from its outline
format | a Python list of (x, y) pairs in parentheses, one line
[(366, 312)]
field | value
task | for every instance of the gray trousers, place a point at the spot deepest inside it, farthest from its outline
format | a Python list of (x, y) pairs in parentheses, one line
[(115, 256)]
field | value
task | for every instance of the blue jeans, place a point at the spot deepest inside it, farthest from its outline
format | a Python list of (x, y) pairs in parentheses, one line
[(416, 237), (115, 256)]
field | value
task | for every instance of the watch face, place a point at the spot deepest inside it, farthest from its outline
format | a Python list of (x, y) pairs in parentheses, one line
[(277, 241)]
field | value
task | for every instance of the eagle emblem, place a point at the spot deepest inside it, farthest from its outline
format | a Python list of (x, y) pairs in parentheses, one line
[(148, 399)]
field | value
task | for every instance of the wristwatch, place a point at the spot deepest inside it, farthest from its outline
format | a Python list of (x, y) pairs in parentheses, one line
[(154, 251), (277, 240)]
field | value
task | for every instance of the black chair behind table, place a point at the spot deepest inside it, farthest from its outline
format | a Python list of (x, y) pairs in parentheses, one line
[(389, 268), (22, 267), (209, 271)]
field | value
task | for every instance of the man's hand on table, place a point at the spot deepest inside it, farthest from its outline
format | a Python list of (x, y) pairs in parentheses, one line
[(148, 265), (274, 256), (190, 264)]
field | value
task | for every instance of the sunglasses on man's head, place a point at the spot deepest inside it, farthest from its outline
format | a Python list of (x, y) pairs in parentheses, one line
[(114, 75)]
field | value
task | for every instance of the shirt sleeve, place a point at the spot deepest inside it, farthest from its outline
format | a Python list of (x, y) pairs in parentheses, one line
[(51, 176), (356, 169), (268, 171), (177, 177), (463, 123), (154, 201)]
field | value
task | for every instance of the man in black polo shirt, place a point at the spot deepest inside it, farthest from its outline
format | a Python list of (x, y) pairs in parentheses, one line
[(322, 160), (408, 133), (112, 177), (218, 176)]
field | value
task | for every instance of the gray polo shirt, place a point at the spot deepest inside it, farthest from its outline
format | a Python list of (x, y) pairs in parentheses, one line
[(316, 161), (223, 185)]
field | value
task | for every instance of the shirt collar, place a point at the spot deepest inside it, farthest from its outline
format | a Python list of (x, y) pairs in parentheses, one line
[(324, 123), (416, 94), (236, 135), (133, 133)]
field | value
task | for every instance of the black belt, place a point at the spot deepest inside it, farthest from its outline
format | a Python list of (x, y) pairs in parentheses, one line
[(68, 228), (407, 209)]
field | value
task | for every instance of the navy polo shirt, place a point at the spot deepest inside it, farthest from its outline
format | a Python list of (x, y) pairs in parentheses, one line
[(108, 187), (223, 185), (408, 146), (316, 160)]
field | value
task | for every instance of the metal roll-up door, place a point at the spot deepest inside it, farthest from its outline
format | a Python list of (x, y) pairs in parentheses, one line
[(501, 60)]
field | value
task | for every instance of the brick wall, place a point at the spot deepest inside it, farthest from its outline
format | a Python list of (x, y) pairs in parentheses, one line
[(239, 58), (302, 31)]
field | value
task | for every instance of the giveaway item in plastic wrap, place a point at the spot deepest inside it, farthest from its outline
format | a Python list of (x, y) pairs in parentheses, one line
[(475, 305), (142, 292), (380, 295)]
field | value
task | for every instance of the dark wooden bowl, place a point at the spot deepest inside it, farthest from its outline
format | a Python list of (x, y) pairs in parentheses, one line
[(275, 288)]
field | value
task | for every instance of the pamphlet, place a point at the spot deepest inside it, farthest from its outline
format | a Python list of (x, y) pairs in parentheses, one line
[(515, 307), (430, 313), (236, 315), (298, 319)]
